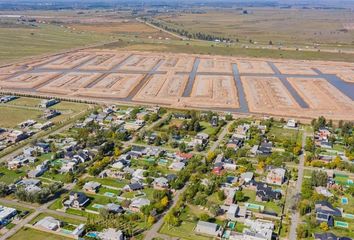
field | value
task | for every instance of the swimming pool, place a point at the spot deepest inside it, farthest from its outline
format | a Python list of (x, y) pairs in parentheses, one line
[(344, 200), (341, 224), (96, 205), (254, 206), (109, 194), (92, 234), (348, 215), (231, 225)]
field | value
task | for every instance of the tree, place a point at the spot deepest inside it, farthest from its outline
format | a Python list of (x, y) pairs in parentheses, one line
[(164, 201), (302, 231), (221, 195), (210, 156), (324, 226), (239, 196), (151, 220), (319, 178), (182, 147)]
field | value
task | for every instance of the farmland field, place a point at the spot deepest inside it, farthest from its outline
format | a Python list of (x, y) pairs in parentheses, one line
[(262, 25)]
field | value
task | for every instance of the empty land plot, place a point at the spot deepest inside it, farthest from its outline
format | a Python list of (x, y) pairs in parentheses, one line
[(140, 62), (104, 61), (114, 85), (324, 98), (177, 63), (69, 83), (269, 95), (214, 65), (27, 80), (295, 68), (250, 66), (165, 89), (70, 60), (213, 91)]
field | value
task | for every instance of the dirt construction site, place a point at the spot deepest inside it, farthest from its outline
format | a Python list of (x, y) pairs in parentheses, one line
[(288, 88)]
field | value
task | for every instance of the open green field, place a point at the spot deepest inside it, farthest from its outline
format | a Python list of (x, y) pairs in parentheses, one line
[(28, 233), (308, 26), (24, 108), (185, 231), (11, 116), (20, 42)]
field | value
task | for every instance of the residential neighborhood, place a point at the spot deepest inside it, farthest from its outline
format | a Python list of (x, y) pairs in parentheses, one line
[(118, 172)]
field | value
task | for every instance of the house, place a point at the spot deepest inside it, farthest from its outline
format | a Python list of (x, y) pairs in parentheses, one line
[(265, 148), (160, 183), (258, 229), (291, 123), (247, 176), (323, 191), (276, 176), (111, 234), (14, 136), (139, 174), (230, 196), (181, 116), (328, 236), (76, 200), (208, 228), (114, 208), (40, 170), (27, 123), (133, 187), (91, 187), (235, 211), (202, 136), (48, 223), (50, 113), (265, 193), (325, 212), (5, 99), (28, 182), (6, 214), (177, 166), (48, 103), (138, 203)]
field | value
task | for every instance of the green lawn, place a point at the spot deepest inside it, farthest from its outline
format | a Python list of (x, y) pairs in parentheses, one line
[(185, 231), (10, 117), (25, 101), (10, 176), (28, 233), (109, 181), (207, 128), (269, 206), (20, 42)]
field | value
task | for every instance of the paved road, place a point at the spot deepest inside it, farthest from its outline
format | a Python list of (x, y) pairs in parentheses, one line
[(153, 232), (295, 216)]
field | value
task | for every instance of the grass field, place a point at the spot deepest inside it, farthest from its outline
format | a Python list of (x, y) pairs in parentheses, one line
[(185, 231), (24, 108), (11, 116), (28, 233), (20, 42), (262, 25)]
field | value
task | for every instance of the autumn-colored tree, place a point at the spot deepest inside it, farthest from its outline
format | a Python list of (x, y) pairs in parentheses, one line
[(164, 201)]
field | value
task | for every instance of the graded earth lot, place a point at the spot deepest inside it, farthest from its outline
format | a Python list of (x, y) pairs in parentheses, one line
[(271, 87)]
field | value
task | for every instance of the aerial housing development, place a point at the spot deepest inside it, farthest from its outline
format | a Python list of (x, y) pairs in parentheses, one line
[(208, 120)]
